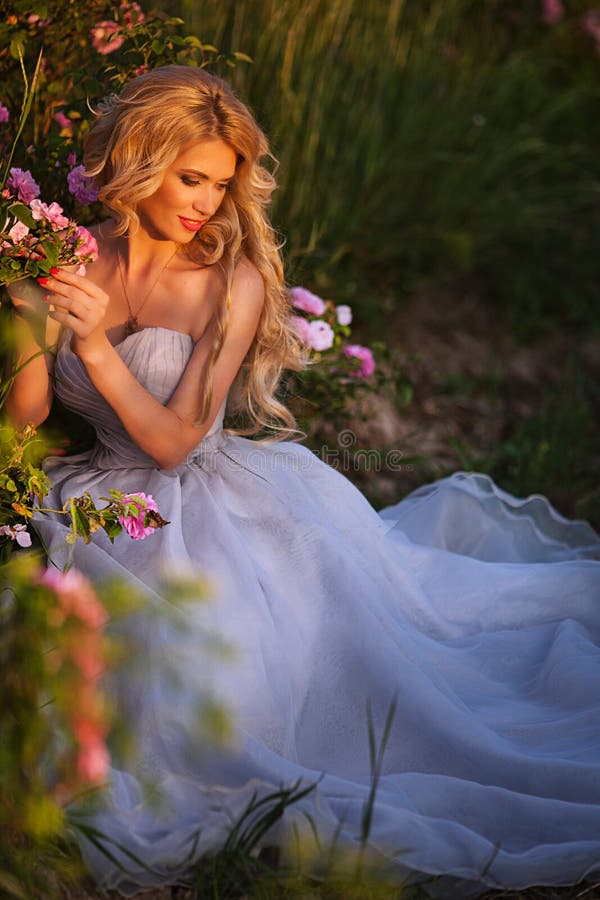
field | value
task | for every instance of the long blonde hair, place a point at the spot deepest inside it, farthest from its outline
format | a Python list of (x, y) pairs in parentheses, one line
[(134, 139)]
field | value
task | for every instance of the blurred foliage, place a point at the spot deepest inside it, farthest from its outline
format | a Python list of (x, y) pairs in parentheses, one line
[(50, 710), (423, 138)]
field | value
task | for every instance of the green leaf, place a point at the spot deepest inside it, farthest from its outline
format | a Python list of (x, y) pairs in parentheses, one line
[(17, 44), (193, 41), (51, 252), (81, 524), (243, 57), (22, 213), (157, 47)]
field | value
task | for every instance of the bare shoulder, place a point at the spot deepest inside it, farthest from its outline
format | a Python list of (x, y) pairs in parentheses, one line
[(248, 287)]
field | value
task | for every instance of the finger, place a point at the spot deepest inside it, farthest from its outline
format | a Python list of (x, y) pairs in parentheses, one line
[(65, 318), (80, 307), (63, 282)]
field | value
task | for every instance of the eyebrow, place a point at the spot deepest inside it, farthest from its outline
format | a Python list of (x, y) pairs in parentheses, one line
[(204, 175)]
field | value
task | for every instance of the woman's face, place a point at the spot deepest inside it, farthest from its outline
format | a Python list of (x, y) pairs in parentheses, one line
[(191, 192)]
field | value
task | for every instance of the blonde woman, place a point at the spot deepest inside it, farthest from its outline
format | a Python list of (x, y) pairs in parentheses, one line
[(472, 614)]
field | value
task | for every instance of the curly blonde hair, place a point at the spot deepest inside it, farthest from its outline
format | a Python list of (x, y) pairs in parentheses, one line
[(135, 137)]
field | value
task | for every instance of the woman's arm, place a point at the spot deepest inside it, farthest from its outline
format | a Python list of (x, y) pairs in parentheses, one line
[(166, 433), (30, 396)]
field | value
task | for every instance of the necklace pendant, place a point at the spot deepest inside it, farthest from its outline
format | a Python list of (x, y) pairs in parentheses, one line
[(132, 325)]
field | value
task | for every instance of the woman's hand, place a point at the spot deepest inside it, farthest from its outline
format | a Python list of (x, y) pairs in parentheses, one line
[(81, 305)]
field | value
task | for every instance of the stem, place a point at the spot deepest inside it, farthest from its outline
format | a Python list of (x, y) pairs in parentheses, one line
[(25, 109)]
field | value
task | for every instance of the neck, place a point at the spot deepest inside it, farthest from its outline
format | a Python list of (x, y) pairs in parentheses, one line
[(141, 254)]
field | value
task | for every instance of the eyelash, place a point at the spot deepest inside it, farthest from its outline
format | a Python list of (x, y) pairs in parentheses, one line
[(189, 182)]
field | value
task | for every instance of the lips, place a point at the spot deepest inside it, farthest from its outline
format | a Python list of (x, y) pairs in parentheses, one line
[(192, 224)]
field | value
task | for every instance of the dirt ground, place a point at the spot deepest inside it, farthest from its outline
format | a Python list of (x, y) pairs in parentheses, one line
[(472, 380)]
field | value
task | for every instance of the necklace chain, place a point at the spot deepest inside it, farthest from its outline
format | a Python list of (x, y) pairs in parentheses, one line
[(132, 324)]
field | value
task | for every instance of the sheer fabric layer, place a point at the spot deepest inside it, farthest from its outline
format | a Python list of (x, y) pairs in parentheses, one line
[(477, 614)]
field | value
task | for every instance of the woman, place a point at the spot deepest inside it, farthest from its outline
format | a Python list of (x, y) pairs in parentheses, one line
[(470, 615)]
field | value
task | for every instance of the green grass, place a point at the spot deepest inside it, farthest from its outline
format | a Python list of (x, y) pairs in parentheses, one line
[(427, 139)]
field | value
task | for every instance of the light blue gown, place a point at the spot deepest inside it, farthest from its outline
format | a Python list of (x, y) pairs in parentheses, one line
[(479, 613)]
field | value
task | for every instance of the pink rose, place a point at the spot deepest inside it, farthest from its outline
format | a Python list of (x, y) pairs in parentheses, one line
[(343, 314), (367, 366), (4, 113), (23, 185), (81, 186), (302, 327), (18, 232), (17, 533), (104, 37), (132, 13), (52, 214), (135, 523), (320, 335), (88, 656), (304, 300), (76, 596), (93, 761), (85, 244), (552, 11), (88, 730)]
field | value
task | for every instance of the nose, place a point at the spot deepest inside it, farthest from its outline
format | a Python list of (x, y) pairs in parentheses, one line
[(207, 201)]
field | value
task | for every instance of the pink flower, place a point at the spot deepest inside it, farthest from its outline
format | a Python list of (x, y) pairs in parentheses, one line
[(320, 336), (76, 596), (552, 11), (71, 158), (4, 113), (52, 214), (104, 37), (132, 13), (88, 656), (343, 314), (81, 186), (591, 24), (302, 327), (367, 366), (88, 730), (135, 523), (23, 184), (310, 303), (85, 244), (64, 122), (17, 533), (18, 232), (93, 761)]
